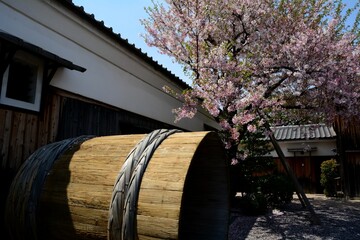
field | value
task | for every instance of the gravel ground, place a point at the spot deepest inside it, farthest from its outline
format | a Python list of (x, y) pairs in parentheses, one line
[(339, 220)]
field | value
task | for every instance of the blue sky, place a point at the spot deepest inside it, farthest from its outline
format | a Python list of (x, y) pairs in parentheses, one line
[(124, 17)]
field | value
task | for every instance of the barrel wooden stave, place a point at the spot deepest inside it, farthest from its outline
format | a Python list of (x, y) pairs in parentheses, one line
[(83, 196), (170, 167), (186, 179)]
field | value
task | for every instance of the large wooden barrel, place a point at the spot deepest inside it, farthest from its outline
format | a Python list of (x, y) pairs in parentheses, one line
[(102, 188)]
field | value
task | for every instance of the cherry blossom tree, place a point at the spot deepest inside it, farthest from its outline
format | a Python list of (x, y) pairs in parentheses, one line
[(256, 63), (260, 62)]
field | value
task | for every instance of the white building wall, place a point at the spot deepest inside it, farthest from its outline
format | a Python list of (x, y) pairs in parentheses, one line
[(114, 75), (323, 148)]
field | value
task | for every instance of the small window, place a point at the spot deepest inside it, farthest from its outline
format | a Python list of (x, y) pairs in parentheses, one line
[(22, 82)]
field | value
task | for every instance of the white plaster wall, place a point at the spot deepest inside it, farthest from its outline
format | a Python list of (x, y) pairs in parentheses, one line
[(114, 75), (324, 147)]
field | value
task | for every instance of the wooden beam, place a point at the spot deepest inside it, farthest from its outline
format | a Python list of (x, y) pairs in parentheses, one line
[(49, 72), (299, 190), (6, 55)]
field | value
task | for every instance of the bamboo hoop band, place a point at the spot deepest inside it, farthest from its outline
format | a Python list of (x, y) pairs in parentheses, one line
[(25, 191), (123, 205)]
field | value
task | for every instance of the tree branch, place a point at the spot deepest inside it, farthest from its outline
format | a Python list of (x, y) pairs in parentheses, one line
[(270, 90)]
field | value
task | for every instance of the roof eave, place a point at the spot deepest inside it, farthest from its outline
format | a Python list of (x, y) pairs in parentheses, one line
[(90, 18)]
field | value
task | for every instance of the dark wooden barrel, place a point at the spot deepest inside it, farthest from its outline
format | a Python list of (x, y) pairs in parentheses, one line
[(164, 185)]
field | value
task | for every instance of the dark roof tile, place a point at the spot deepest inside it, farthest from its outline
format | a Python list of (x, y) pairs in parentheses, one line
[(79, 10), (303, 132)]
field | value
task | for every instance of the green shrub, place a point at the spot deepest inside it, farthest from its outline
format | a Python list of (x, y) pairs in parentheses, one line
[(258, 178), (254, 203), (277, 188), (269, 191), (243, 174), (329, 171)]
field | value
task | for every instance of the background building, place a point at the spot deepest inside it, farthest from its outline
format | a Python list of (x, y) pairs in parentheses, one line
[(305, 148)]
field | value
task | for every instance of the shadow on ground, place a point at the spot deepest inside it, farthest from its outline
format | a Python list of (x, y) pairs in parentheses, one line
[(339, 220)]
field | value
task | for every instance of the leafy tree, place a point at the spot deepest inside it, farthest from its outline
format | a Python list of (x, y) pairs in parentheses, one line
[(260, 62)]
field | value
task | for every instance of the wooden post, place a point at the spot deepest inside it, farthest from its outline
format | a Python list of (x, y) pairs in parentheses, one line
[(341, 157), (299, 190)]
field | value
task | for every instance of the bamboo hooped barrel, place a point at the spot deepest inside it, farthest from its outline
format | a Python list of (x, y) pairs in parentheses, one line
[(164, 185)]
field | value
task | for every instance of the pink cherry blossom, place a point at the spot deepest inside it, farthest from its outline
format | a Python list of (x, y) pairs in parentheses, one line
[(255, 62)]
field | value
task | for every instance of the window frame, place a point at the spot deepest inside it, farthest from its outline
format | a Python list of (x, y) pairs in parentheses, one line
[(32, 60)]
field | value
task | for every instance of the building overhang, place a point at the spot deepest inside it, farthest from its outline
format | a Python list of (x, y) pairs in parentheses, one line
[(10, 44)]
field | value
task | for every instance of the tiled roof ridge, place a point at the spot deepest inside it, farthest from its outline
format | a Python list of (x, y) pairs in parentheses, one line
[(79, 10), (302, 125), (305, 131)]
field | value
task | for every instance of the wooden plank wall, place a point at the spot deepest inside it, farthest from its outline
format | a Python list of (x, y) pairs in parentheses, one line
[(352, 170), (81, 117), (348, 133), (21, 133), (307, 170), (348, 147)]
